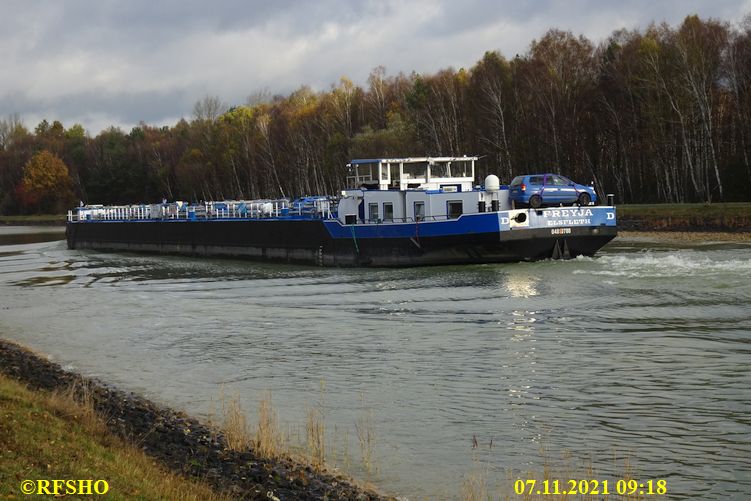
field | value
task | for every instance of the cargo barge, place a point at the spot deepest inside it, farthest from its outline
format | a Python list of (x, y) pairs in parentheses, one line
[(394, 212)]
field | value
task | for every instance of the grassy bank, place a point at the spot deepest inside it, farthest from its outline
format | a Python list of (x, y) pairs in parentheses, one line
[(51, 435), (33, 220), (685, 217)]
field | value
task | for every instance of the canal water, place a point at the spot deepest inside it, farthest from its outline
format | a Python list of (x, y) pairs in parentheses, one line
[(637, 361)]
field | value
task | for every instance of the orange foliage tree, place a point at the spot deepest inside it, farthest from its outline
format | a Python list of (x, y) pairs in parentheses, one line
[(46, 185)]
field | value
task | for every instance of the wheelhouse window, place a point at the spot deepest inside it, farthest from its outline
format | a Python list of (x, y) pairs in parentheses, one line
[(454, 208), (373, 213), (462, 169), (419, 211), (388, 211), (440, 170), (416, 170)]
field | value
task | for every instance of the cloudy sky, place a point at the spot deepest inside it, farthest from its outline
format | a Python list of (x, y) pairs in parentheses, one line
[(102, 63)]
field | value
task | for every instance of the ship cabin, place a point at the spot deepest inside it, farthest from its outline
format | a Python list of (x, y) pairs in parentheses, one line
[(398, 190)]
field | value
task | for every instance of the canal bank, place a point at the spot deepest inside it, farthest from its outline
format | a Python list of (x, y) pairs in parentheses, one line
[(697, 217), (685, 236), (181, 443)]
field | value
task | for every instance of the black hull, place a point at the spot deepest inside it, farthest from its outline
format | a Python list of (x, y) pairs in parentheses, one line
[(309, 242)]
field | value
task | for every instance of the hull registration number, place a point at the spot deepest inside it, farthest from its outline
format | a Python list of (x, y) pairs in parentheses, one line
[(560, 231)]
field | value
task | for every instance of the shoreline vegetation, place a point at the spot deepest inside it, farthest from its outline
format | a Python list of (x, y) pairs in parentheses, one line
[(142, 449), (718, 217), (34, 220)]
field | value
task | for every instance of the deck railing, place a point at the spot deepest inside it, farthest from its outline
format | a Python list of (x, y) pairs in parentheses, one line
[(235, 209)]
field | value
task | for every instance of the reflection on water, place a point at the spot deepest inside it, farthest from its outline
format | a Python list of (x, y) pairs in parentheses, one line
[(637, 352), (521, 285)]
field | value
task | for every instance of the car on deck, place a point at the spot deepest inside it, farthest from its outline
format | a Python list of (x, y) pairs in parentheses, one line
[(537, 190)]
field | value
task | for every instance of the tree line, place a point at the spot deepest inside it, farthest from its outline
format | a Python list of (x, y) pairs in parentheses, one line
[(661, 114)]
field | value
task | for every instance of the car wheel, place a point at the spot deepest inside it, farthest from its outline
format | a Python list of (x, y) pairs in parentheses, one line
[(535, 201), (584, 199)]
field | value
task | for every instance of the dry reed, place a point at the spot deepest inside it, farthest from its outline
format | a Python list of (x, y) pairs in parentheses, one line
[(366, 436), (235, 424), (269, 441), (474, 487), (316, 430)]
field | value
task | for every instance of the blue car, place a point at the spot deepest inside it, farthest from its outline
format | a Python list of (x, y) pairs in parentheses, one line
[(537, 190)]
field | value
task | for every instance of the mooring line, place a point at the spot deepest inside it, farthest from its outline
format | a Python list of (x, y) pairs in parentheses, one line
[(354, 238)]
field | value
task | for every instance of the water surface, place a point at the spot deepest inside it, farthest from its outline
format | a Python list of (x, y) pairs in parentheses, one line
[(641, 352)]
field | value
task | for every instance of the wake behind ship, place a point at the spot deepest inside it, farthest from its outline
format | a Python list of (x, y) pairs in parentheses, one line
[(394, 212)]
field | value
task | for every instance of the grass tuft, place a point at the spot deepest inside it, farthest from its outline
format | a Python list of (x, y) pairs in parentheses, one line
[(77, 403), (235, 425), (316, 430), (316, 437), (269, 441), (475, 487), (365, 429)]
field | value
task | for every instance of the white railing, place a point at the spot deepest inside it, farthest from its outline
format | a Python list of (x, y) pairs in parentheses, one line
[(234, 209)]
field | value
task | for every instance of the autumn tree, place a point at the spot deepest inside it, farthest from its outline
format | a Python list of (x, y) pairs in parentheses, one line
[(46, 185)]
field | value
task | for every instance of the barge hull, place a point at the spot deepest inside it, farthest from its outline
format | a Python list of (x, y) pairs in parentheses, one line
[(309, 242)]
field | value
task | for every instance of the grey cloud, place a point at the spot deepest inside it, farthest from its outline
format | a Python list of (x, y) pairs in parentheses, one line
[(126, 109), (150, 60)]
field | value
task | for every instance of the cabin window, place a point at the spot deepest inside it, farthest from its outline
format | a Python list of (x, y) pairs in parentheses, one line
[(388, 211), (419, 211), (373, 213), (454, 208)]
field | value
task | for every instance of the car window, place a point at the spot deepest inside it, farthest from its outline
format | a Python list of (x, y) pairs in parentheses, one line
[(517, 181), (558, 181), (535, 179)]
